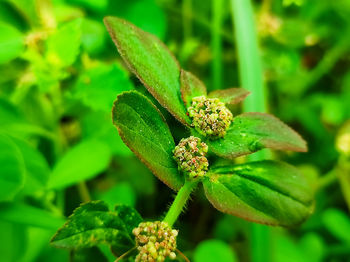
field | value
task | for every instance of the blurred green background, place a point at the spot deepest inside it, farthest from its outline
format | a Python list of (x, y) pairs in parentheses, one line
[(59, 75)]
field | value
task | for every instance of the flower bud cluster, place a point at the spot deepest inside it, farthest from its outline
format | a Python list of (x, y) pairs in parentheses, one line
[(155, 241), (190, 156), (210, 117)]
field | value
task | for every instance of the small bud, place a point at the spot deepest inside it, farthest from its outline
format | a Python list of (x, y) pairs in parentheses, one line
[(190, 157), (155, 243), (210, 117)]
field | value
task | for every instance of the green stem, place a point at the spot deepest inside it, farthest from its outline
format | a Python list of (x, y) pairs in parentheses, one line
[(84, 192), (251, 77), (250, 67), (179, 202), (327, 179), (216, 44), (187, 18), (198, 20)]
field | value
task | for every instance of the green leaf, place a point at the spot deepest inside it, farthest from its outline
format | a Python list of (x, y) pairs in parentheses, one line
[(148, 15), (144, 130), (82, 162), (230, 95), (92, 5), (93, 36), (266, 192), (98, 86), (89, 255), (36, 167), (121, 193), (98, 125), (63, 46), (150, 60), (11, 43), (251, 132), (13, 241), (12, 169), (337, 223), (214, 250), (191, 87), (28, 215), (130, 217), (92, 224)]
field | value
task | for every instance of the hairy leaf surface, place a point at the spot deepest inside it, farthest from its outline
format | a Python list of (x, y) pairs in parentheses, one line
[(92, 224), (144, 130), (230, 95), (250, 132), (191, 87), (129, 216), (150, 60), (267, 192)]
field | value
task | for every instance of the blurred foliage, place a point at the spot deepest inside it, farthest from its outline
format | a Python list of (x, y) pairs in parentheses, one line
[(59, 75)]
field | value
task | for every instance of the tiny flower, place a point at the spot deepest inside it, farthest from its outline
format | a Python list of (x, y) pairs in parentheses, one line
[(210, 117), (155, 241), (190, 157)]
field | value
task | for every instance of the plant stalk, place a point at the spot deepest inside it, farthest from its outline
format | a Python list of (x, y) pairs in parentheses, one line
[(216, 44), (251, 78), (179, 202), (187, 18), (84, 191)]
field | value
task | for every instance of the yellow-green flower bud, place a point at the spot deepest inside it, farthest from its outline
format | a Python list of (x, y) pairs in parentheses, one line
[(155, 241), (190, 157), (210, 117)]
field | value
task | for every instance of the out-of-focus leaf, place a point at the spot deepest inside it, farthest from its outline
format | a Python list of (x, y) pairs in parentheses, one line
[(13, 122), (63, 46), (121, 193), (227, 228), (89, 254), (144, 130), (230, 95), (27, 9), (12, 169), (337, 223), (95, 6), (93, 36), (313, 247), (99, 86), (251, 132), (152, 62), (310, 248), (11, 43), (12, 242), (82, 162), (98, 125), (36, 168), (344, 179), (214, 250), (39, 249), (191, 87), (285, 250), (147, 15), (29, 215), (92, 224), (266, 192)]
